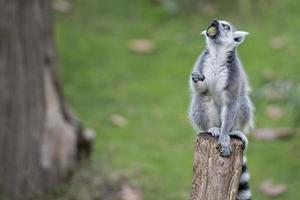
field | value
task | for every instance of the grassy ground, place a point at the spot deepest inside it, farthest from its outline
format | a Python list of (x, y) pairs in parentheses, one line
[(102, 77)]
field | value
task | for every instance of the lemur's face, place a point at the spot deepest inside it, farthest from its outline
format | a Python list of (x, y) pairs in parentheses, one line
[(223, 33)]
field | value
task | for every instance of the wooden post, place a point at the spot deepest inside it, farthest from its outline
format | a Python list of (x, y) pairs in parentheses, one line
[(215, 177)]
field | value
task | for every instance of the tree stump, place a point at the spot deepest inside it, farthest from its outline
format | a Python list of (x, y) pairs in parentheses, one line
[(215, 177), (40, 138)]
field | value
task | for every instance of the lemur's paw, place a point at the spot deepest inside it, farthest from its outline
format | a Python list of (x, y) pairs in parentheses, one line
[(224, 145), (241, 136), (196, 76), (215, 131)]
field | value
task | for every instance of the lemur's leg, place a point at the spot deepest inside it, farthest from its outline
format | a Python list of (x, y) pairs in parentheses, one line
[(198, 112), (228, 114), (204, 114), (243, 122), (244, 119)]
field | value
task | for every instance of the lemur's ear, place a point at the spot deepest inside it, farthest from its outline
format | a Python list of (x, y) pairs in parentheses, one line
[(203, 33), (239, 36)]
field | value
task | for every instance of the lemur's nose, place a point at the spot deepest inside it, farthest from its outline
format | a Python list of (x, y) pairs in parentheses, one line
[(214, 21)]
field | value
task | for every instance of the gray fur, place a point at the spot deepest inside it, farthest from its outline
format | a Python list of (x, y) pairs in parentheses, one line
[(220, 102), (202, 58)]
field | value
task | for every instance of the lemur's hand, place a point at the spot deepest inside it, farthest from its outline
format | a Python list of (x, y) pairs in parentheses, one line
[(224, 145), (196, 76)]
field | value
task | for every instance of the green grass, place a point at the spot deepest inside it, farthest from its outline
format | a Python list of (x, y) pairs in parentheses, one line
[(102, 77)]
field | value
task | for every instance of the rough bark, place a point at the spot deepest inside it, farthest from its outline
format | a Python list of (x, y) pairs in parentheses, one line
[(39, 136), (215, 177)]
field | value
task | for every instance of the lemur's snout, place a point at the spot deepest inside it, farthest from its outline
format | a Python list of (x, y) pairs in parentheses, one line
[(213, 29)]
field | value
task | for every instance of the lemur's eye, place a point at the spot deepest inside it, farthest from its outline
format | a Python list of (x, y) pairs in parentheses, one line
[(226, 26)]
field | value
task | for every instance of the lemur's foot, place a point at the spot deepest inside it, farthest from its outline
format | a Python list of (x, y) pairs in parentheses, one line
[(224, 145), (215, 131), (196, 76), (241, 136)]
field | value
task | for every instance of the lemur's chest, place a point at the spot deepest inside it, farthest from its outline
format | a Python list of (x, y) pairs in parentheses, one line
[(216, 75)]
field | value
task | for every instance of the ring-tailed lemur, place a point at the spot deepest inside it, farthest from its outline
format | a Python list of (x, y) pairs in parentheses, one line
[(220, 93)]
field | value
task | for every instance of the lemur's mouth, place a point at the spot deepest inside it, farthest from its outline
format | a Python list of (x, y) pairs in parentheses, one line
[(213, 30)]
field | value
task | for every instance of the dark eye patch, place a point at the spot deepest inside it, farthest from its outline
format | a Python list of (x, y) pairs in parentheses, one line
[(225, 26)]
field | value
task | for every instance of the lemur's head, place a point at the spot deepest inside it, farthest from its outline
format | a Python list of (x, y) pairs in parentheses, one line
[(224, 34)]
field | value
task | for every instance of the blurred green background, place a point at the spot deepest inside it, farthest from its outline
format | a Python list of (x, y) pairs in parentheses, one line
[(125, 66)]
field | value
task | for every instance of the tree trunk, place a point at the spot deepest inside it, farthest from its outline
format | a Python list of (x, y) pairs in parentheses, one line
[(39, 137), (215, 177)]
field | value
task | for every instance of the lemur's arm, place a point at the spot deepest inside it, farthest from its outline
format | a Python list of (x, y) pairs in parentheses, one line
[(197, 80), (198, 110), (198, 84), (228, 114)]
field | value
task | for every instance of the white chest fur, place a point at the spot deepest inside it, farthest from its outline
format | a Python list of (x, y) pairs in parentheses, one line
[(216, 74)]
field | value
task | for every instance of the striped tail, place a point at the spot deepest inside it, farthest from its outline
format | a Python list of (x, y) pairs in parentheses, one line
[(244, 192)]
